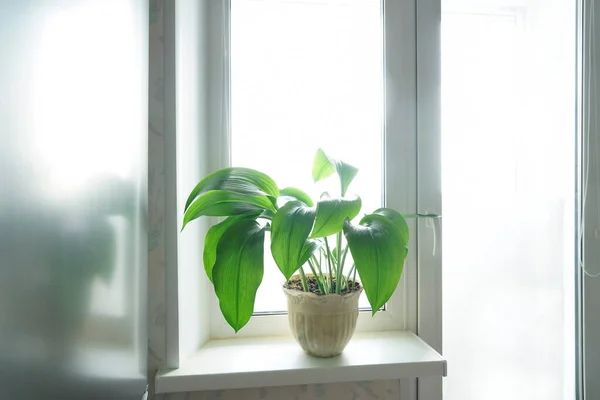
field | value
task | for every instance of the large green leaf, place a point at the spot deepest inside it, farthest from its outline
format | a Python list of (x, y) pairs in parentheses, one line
[(291, 226), (324, 166), (222, 203), (238, 271), (296, 194), (239, 180), (398, 220), (213, 237), (378, 250), (331, 213)]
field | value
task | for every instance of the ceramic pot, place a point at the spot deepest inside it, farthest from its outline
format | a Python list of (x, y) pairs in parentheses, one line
[(322, 324)]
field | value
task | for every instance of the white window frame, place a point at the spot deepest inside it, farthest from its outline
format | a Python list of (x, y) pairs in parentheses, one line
[(588, 287), (399, 165), (412, 150)]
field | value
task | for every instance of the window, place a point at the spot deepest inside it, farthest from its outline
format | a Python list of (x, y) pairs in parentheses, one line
[(509, 167), (345, 85)]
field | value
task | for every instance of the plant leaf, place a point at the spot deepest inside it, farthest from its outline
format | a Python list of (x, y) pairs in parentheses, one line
[(291, 226), (239, 180), (296, 194), (222, 203), (213, 237), (238, 271), (310, 246), (346, 173), (324, 166), (378, 250), (398, 220), (267, 214), (331, 213)]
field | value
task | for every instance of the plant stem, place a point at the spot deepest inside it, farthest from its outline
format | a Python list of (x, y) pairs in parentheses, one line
[(354, 277), (345, 254), (317, 277), (319, 264), (303, 279), (340, 266), (351, 270), (329, 256), (344, 258), (321, 276), (344, 282)]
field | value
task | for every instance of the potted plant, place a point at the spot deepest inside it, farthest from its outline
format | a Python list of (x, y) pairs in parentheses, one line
[(321, 235)]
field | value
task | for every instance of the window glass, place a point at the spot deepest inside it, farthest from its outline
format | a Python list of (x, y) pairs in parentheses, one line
[(304, 75), (509, 146)]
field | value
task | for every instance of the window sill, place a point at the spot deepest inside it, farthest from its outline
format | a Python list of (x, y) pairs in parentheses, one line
[(279, 361)]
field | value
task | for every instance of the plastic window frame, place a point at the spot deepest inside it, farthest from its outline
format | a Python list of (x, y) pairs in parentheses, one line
[(399, 164)]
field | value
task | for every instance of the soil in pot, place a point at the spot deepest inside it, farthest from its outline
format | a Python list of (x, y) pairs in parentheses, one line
[(296, 284), (322, 324)]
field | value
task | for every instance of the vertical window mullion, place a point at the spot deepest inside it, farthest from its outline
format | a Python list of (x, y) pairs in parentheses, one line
[(429, 184), (401, 139)]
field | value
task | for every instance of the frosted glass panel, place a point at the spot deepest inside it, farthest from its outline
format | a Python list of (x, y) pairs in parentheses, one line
[(304, 75), (73, 166), (509, 140)]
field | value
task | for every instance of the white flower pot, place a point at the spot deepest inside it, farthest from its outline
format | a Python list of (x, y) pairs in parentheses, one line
[(322, 324)]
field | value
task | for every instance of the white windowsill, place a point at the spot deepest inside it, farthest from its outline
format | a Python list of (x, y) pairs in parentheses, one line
[(279, 361)]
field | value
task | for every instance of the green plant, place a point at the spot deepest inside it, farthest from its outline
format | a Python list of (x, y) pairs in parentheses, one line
[(300, 234)]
